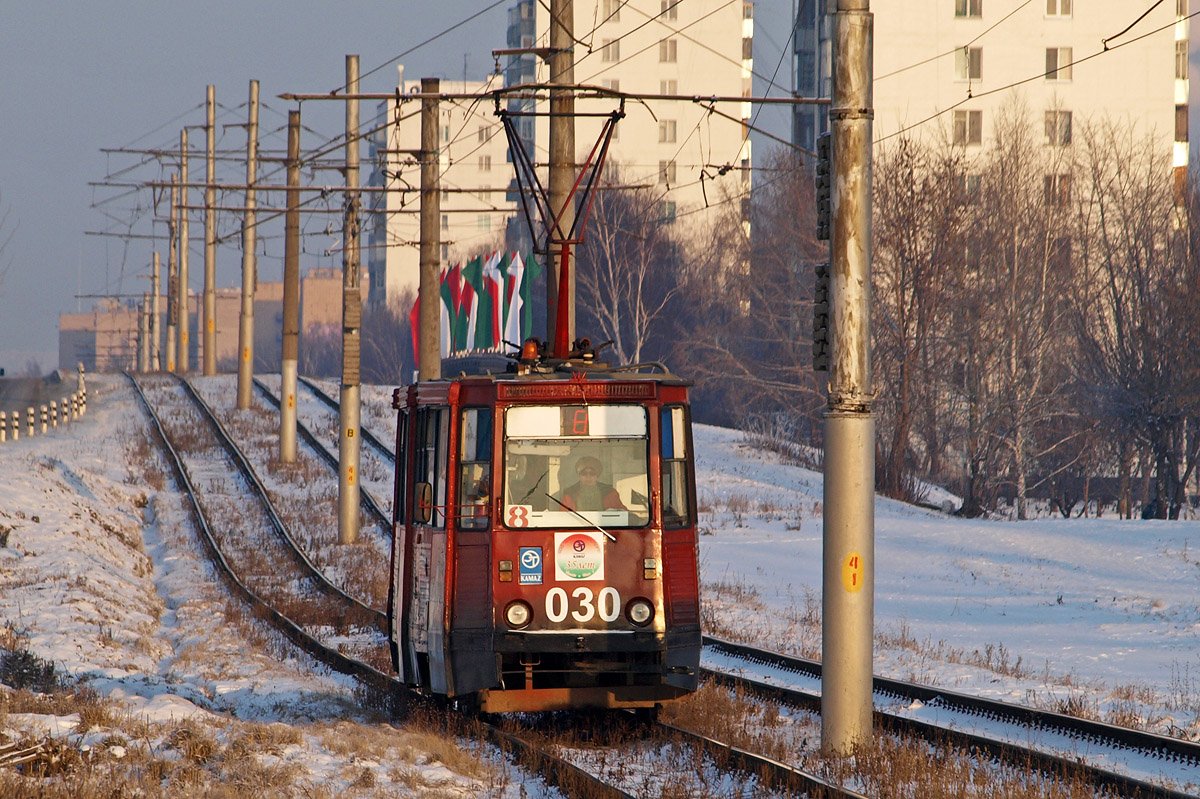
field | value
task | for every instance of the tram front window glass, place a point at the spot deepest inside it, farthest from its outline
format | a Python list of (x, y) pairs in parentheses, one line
[(475, 468), (576, 466), (675, 487)]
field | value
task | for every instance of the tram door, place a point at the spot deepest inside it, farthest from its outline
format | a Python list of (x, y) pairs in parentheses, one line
[(427, 564)]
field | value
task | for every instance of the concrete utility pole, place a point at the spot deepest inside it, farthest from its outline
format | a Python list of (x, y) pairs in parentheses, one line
[(143, 345), (181, 359), (428, 289), (172, 274), (155, 332), (246, 318), (348, 438), (291, 296), (849, 520), (210, 234), (560, 254)]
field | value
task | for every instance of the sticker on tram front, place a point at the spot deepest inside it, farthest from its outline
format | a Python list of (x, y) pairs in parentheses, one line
[(529, 561), (578, 556)]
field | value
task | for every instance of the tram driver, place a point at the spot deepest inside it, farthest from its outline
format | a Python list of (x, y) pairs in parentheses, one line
[(588, 493)]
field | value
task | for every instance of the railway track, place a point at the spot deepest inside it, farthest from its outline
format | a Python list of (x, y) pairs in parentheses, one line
[(238, 526), (1051, 742), (1066, 746)]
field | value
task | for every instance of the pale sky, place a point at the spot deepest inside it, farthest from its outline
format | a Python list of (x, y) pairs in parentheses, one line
[(79, 76)]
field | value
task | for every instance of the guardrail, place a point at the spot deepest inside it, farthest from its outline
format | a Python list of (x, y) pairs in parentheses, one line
[(43, 418)]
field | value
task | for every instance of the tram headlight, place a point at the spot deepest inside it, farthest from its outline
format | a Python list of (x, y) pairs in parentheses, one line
[(640, 611), (518, 614)]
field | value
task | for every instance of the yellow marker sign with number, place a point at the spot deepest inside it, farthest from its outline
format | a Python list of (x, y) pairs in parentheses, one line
[(852, 573)]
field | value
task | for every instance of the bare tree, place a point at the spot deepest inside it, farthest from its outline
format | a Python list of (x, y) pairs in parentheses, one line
[(628, 269), (744, 333), (1136, 323), (920, 216)]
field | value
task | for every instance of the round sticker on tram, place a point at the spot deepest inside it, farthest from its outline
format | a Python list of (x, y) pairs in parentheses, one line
[(578, 556)]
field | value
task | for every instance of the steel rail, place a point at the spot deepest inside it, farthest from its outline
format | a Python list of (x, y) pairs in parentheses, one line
[(208, 539), (368, 502), (333, 404), (796, 782), (389, 692), (260, 490), (1151, 744)]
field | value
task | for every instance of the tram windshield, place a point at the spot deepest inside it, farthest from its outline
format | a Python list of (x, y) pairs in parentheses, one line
[(576, 466)]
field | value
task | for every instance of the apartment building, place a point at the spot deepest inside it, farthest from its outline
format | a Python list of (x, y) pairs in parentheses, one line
[(695, 159), (949, 69), (474, 175)]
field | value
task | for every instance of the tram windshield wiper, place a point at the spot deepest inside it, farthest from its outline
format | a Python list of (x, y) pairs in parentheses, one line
[(611, 537)]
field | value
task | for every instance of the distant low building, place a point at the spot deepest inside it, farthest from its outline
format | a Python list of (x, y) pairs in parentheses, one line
[(105, 338)]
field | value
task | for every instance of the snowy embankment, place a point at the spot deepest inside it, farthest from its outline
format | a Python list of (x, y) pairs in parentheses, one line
[(1102, 615), (101, 575)]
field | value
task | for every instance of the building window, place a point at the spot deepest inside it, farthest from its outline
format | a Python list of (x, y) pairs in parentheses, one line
[(1181, 60), (668, 87), (668, 212), (747, 10), (670, 9), (483, 133), (612, 10), (1181, 123), (747, 48), (969, 187), (445, 221), (1058, 63), (1181, 8), (968, 63), (483, 221), (1058, 190), (610, 50), (1058, 128), (968, 8), (668, 51), (1058, 8), (968, 127), (445, 133), (666, 131), (612, 84), (485, 163), (666, 172)]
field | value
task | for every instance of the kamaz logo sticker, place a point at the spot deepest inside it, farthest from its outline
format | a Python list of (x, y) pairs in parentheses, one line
[(530, 561)]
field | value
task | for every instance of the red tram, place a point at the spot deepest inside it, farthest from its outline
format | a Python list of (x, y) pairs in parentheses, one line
[(545, 551)]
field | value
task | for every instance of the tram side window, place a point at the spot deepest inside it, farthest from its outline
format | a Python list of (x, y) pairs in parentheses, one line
[(475, 468), (430, 458), (675, 488), (400, 495)]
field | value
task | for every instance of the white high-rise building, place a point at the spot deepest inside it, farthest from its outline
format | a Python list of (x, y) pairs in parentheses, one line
[(474, 177), (950, 68), (693, 158)]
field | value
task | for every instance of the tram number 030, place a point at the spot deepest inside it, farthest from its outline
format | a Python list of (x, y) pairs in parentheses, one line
[(586, 605)]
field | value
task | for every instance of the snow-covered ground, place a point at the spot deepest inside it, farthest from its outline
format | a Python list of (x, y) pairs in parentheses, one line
[(101, 574)]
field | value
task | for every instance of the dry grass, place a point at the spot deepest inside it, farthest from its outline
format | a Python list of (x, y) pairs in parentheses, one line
[(891, 768)]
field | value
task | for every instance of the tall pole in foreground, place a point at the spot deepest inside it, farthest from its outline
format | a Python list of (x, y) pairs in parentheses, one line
[(183, 309), (430, 330), (246, 318), (848, 586), (210, 234), (291, 296), (560, 276), (155, 329), (172, 275), (348, 438)]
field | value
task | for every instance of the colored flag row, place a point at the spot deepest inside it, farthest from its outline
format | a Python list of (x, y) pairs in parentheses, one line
[(485, 302)]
